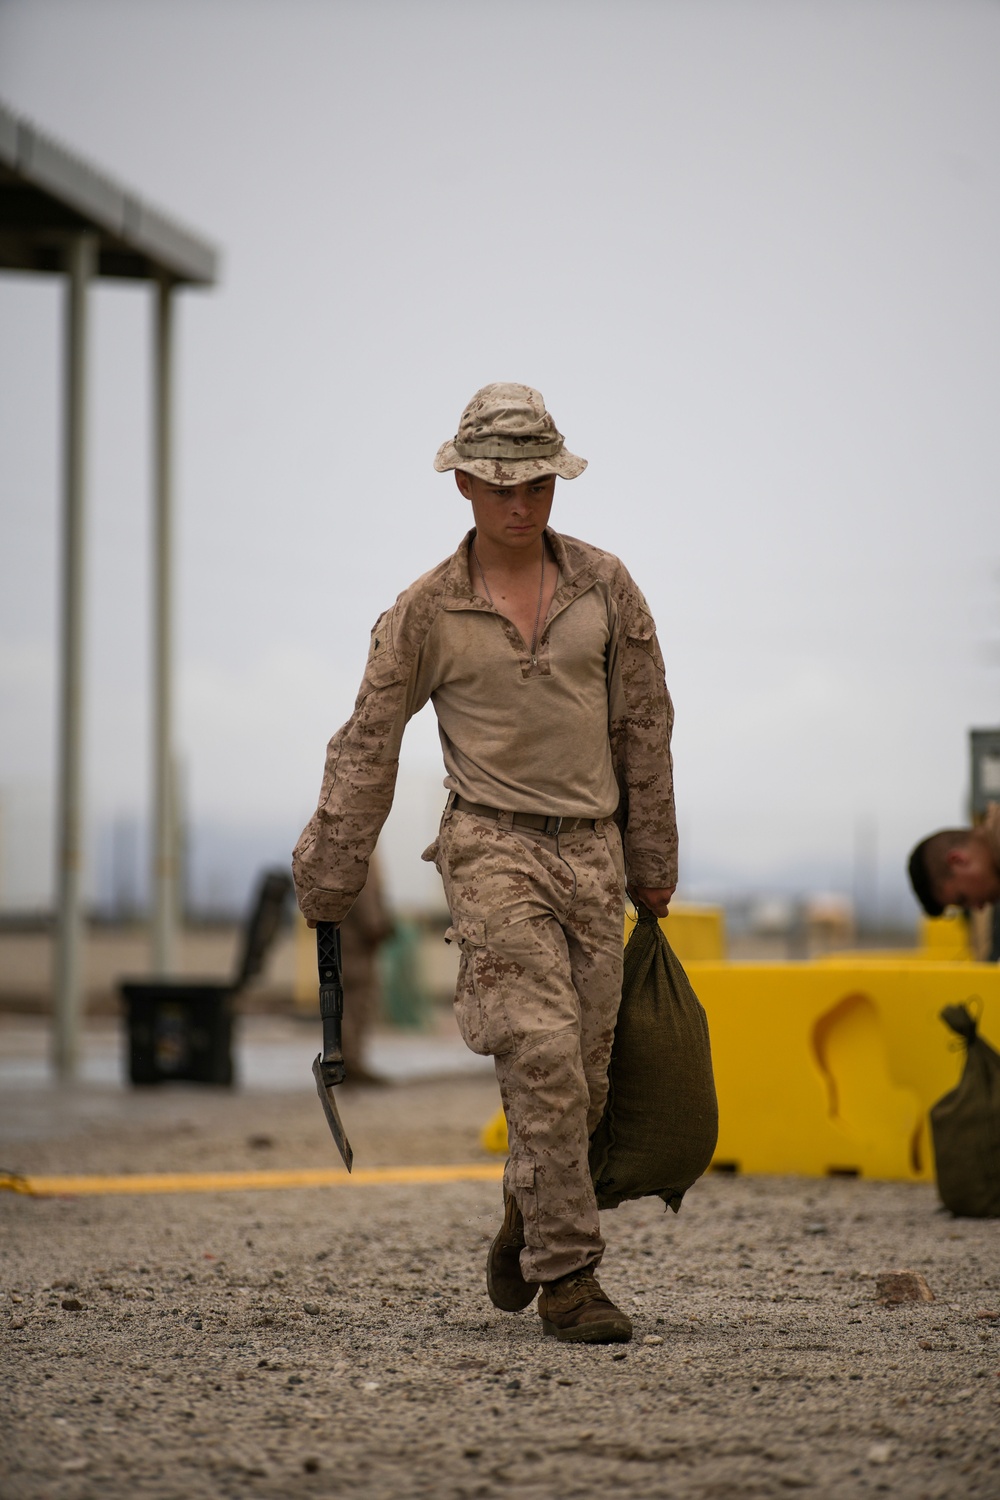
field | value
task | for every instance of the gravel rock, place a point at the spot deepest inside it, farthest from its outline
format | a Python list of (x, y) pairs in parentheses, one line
[(894, 1287)]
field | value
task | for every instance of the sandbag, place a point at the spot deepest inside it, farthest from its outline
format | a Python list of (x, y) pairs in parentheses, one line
[(661, 1121), (965, 1127)]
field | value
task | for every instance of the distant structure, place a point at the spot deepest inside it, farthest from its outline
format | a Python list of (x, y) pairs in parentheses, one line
[(61, 215)]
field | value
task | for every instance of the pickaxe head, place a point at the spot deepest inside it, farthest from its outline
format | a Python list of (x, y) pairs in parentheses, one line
[(324, 1088)]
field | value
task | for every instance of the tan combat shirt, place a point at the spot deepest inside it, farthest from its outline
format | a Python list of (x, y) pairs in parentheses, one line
[(523, 734), (583, 731)]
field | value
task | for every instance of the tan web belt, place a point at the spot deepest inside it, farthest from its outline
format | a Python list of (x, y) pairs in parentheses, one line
[(538, 822)]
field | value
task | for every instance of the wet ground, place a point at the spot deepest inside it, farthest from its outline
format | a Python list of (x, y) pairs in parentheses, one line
[(338, 1341)]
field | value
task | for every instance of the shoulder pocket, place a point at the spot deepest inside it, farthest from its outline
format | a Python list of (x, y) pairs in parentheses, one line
[(380, 645), (641, 632), (382, 666), (641, 626)]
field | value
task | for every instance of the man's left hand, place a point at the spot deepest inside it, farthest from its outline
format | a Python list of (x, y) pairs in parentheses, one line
[(657, 898)]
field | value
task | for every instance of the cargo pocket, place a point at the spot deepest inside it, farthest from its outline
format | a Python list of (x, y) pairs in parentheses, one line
[(527, 1201), (479, 1001), (431, 855)]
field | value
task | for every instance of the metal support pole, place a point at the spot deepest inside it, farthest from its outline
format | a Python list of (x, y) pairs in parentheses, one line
[(164, 931), (80, 266)]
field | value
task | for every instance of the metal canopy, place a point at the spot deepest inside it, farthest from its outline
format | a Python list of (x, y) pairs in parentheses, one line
[(59, 214), (48, 193)]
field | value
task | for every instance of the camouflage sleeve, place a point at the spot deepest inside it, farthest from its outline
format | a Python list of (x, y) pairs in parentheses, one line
[(330, 861), (642, 718)]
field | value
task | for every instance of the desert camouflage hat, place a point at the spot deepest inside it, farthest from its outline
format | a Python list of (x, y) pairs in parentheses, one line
[(506, 436)]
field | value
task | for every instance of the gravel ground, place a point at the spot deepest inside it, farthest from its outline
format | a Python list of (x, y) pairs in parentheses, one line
[(340, 1342)]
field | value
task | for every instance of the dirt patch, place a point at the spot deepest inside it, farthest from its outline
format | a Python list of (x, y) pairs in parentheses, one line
[(340, 1342)]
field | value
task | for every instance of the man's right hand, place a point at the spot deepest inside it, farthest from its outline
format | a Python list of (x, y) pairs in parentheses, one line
[(657, 898)]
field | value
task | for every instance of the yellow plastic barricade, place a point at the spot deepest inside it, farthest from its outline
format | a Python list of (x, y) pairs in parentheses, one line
[(493, 1136), (943, 939), (829, 1068), (692, 931)]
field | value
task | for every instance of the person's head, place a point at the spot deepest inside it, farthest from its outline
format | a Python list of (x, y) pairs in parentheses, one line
[(954, 867)]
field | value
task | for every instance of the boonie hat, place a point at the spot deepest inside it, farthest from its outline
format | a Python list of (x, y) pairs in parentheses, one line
[(506, 436)]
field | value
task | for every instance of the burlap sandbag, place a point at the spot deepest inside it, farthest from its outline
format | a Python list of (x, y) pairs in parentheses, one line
[(661, 1121), (965, 1125)]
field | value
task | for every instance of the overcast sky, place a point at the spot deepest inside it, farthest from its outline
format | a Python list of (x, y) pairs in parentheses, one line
[(747, 249)]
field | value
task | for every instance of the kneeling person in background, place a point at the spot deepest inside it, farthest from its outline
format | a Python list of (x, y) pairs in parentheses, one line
[(961, 867)]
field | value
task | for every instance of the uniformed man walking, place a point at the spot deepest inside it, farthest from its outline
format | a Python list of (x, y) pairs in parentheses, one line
[(540, 657)]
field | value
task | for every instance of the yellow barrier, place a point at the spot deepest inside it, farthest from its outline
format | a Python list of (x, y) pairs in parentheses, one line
[(692, 931), (829, 1068), (493, 1136), (943, 939)]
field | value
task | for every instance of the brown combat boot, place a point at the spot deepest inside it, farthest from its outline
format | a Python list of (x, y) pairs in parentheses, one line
[(577, 1311), (507, 1287)]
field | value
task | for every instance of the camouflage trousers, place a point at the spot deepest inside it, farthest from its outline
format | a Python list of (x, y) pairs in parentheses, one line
[(538, 921)]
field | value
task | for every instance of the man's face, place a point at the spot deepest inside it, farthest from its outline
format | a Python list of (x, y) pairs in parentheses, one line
[(973, 880), (510, 516)]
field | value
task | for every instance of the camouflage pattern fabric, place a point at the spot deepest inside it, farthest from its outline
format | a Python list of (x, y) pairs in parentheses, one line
[(538, 921), (506, 436), (330, 862)]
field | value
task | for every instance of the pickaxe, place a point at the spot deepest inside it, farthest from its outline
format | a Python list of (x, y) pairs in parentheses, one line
[(329, 1068)]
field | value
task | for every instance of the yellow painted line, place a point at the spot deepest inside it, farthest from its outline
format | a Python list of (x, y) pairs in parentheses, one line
[(252, 1182)]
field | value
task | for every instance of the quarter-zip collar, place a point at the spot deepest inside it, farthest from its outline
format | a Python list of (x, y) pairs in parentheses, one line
[(575, 570)]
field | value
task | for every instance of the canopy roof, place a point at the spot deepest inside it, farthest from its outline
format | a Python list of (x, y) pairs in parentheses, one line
[(48, 193)]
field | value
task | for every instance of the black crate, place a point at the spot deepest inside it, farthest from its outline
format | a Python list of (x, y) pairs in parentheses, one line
[(182, 1029), (179, 1032)]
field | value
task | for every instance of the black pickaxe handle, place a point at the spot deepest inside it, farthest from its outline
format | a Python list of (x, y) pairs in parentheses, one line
[(329, 1068), (331, 999)]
